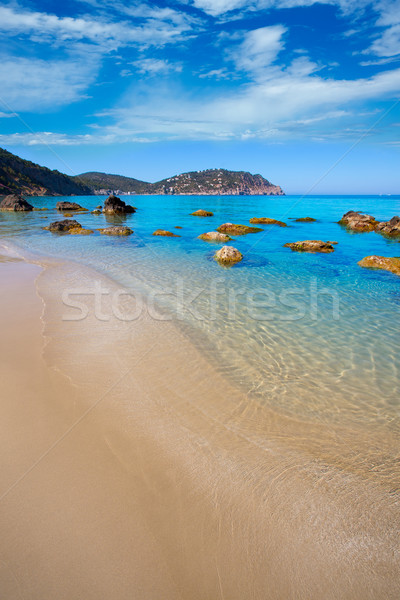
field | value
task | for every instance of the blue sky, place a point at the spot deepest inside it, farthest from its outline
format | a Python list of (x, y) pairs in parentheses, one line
[(150, 89)]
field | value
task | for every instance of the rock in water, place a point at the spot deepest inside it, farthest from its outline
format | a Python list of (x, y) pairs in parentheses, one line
[(67, 206), (116, 206), (390, 228), (391, 264), (165, 233), (202, 213), (310, 246), (15, 203), (232, 229), (357, 221), (228, 255), (361, 222), (214, 236), (305, 220), (267, 221), (117, 230), (65, 226)]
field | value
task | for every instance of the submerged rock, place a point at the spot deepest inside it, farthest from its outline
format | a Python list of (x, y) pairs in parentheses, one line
[(234, 229), (69, 206), (267, 221), (68, 226), (15, 203), (214, 236), (310, 246), (305, 220), (115, 206), (228, 255), (178, 227), (80, 231), (40, 209), (165, 233), (391, 264), (390, 228), (65, 225), (357, 221), (117, 230), (202, 213)]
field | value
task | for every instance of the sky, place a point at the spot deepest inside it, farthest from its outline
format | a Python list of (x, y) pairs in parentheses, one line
[(305, 93)]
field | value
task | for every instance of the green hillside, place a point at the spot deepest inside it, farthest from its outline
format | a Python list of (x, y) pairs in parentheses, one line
[(209, 182), (29, 179), (104, 181)]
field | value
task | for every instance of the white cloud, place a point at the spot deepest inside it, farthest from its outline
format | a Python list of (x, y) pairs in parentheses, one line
[(378, 62), (388, 44), (262, 109), (48, 138), (389, 12), (159, 29), (216, 73), (156, 66), (217, 8), (32, 84), (260, 48)]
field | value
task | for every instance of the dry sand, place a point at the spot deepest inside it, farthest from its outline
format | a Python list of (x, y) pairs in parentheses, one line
[(131, 469)]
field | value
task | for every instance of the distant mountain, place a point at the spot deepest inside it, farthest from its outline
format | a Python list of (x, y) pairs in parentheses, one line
[(217, 182), (118, 183), (210, 182), (29, 179)]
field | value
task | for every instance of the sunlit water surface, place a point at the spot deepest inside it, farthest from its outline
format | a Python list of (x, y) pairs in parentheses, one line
[(310, 335)]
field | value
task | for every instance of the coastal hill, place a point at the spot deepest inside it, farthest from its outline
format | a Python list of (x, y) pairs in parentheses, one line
[(29, 179), (103, 182), (216, 182), (209, 182)]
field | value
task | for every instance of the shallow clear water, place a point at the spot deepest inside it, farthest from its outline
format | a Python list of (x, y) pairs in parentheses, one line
[(310, 335)]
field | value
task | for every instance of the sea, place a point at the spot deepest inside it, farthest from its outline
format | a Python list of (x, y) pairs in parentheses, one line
[(314, 335)]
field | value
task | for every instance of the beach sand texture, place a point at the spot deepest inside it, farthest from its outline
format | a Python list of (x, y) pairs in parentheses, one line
[(132, 469)]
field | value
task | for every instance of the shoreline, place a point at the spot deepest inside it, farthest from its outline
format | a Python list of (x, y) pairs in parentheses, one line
[(235, 500)]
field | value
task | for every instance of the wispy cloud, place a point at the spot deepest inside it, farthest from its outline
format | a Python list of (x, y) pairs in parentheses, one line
[(262, 108), (260, 48), (30, 84), (388, 44), (48, 138), (222, 73), (158, 29), (156, 66), (7, 115), (33, 82), (217, 8)]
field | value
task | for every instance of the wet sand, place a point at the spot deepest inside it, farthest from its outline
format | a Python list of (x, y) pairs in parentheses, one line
[(131, 469)]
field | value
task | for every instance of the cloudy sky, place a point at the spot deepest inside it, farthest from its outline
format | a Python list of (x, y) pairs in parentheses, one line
[(303, 92)]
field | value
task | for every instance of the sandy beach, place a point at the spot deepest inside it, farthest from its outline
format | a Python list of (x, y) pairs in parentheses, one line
[(118, 484)]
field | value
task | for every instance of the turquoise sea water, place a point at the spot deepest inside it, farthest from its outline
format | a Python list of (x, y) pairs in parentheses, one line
[(311, 335)]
